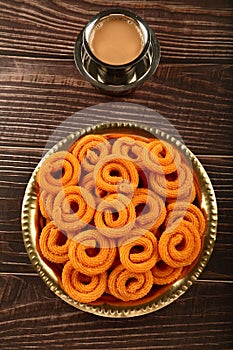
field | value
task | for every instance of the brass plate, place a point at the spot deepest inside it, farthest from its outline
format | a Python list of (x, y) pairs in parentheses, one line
[(208, 203)]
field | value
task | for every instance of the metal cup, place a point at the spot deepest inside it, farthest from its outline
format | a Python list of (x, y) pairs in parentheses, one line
[(117, 79)]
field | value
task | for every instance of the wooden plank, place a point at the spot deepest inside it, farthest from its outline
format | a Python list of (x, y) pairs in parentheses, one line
[(186, 31), (37, 95), (32, 317), (17, 164)]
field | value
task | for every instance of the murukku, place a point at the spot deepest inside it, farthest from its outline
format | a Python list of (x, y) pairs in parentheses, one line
[(116, 174), (90, 149), (150, 209), (129, 148), (57, 171), (74, 208), (184, 211), (126, 285), (139, 253), (102, 256), (88, 182), (161, 157), (180, 245), (81, 287), (46, 202), (115, 216), (165, 274), (189, 197), (175, 185), (120, 214), (54, 244)]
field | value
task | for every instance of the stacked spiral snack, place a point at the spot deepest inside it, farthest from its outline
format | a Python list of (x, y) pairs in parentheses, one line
[(122, 217)]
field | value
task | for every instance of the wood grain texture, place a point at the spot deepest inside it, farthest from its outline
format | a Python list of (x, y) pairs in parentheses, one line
[(37, 95), (32, 317), (186, 30), (40, 89)]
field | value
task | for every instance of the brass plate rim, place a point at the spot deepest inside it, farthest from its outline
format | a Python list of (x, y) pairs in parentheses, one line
[(179, 287)]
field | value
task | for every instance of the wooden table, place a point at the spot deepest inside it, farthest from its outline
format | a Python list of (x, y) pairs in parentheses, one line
[(41, 88)]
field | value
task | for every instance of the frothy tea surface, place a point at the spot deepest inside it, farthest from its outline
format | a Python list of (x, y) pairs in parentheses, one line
[(116, 41)]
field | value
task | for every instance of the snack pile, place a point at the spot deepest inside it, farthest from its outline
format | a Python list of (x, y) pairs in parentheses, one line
[(121, 217)]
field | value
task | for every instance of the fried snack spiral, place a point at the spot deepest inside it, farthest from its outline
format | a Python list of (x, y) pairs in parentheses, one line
[(126, 285), (88, 182), (58, 170), (165, 274), (116, 174), (74, 208), (46, 202), (53, 244), (87, 263), (129, 148), (90, 149), (180, 245), (115, 216), (80, 287), (120, 214), (160, 157), (176, 185), (139, 254), (184, 211), (190, 197), (152, 210)]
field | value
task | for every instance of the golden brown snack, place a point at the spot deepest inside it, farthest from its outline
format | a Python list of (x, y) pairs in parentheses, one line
[(161, 157), (129, 148), (88, 182), (54, 245), (180, 245), (131, 212), (189, 212), (126, 285), (165, 274), (74, 208), (139, 253), (116, 174), (46, 202), (80, 287), (150, 209), (115, 216), (90, 149), (175, 185), (60, 169), (91, 253)]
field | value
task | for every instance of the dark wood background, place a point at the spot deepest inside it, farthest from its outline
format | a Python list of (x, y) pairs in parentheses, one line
[(39, 88)]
